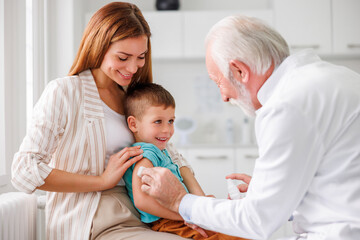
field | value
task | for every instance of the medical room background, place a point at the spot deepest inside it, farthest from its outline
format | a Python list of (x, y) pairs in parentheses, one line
[(39, 40)]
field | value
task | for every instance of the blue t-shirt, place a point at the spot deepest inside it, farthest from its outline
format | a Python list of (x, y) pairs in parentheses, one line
[(159, 158)]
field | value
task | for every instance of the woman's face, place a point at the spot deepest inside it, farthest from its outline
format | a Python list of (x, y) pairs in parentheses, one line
[(124, 58)]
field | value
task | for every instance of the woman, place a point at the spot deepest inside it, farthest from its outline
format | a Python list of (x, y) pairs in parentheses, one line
[(72, 147)]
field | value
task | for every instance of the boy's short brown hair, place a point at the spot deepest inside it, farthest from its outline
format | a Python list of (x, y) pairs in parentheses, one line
[(140, 96)]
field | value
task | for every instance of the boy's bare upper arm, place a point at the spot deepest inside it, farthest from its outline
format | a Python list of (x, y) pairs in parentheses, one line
[(136, 181), (143, 201)]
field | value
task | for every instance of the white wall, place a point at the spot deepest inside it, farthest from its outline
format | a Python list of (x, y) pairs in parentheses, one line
[(149, 5)]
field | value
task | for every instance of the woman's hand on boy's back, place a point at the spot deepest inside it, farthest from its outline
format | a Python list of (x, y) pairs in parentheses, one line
[(118, 164)]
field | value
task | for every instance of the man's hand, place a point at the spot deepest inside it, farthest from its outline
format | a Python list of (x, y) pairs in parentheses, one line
[(161, 184)]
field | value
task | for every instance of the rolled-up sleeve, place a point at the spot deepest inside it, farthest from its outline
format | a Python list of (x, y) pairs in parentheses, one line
[(177, 158), (31, 163)]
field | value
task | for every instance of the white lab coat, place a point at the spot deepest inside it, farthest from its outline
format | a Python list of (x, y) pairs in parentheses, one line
[(308, 133)]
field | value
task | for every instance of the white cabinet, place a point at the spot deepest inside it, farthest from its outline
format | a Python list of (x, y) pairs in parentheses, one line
[(304, 24), (245, 160), (346, 29), (166, 33), (327, 26), (197, 25), (211, 165), (179, 34)]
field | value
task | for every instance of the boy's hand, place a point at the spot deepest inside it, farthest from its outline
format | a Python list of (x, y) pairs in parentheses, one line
[(197, 228)]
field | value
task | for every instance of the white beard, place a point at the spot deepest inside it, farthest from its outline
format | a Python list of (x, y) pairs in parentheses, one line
[(244, 99)]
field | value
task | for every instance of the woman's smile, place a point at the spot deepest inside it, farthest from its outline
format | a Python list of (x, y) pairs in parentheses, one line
[(125, 76)]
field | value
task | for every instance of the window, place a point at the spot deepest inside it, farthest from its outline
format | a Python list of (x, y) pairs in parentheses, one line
[(12, 85), (2, 99), (27, 43), (35, 52), (29, 60)]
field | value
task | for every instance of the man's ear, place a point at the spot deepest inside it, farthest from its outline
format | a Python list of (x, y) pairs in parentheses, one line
[(240, 71), (131, 121)]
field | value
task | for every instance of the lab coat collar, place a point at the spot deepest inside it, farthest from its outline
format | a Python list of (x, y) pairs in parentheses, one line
[(293, 61)]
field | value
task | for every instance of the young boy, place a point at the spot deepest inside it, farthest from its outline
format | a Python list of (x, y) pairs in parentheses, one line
[(150, 114)]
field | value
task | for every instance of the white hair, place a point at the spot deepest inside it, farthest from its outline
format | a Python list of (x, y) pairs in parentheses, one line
[(248, 40)]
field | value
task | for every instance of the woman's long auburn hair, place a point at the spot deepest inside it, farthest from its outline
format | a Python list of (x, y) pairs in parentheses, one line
[(115, 21)]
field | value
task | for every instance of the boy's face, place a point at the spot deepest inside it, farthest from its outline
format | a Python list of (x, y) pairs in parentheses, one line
[(156, 126)]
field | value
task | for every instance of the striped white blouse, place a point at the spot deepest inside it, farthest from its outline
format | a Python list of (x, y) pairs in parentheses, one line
[(67, 132)]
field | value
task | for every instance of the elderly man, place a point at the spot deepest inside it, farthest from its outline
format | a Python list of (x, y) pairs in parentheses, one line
[(308, 132)]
